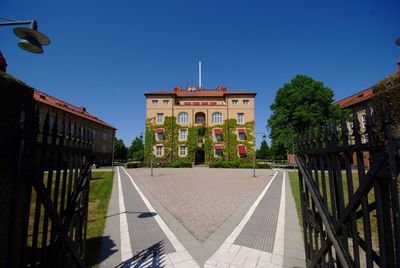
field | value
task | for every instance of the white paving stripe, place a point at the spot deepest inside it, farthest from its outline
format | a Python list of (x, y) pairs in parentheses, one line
[(126, 250), (230, 255), (279, 242), (180, 258)]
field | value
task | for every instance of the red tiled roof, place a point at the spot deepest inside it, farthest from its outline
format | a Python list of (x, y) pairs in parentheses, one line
[(356, 98), (62, 105), (199, 93)]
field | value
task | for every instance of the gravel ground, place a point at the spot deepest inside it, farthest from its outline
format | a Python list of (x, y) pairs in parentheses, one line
[(202, 198)]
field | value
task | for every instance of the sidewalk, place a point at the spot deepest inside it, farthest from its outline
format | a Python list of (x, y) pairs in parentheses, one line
[(263, 233)]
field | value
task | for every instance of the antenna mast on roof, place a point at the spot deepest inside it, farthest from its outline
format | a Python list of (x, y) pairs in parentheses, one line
[(199, 74)]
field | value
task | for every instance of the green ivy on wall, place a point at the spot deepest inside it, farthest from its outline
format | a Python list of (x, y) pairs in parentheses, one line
[(171, 142)]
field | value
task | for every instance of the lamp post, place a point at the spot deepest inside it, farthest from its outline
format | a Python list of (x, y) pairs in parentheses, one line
[(255, 150), (151, 152), (31, 40)]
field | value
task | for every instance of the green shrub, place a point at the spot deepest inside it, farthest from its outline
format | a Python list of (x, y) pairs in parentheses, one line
[(134, 165), (180, 164), (263, 165)]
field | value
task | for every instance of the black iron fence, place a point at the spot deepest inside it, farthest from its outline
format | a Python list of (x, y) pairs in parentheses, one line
[(349, 185), (45, 167)]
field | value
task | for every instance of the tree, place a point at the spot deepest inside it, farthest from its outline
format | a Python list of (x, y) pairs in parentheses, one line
[(263, 152), (303, 103), (136, 151), (120, 151)]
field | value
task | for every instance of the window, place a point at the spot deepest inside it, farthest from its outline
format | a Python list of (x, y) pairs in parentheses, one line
[(200, 118), (245, 102), (160, 118), (218, 134), (217, 118), (241, 134), (104, 136), (154, 102), (104, 149), (182, 150), (159, 134), (364, 121), (182, 134), (234, 102), (240, 118), (183, 118), (217, 150), (159, 150), (241, 150), (165, 103)]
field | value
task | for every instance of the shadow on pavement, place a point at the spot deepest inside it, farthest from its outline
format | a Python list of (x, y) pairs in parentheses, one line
[(99, 249), (142, 214), (151, 257)]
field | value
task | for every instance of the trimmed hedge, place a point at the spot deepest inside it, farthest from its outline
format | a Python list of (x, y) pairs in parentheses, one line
[(180, 164), (236, 164), (134, 164)]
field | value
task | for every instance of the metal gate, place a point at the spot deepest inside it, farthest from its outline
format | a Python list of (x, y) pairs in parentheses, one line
[(350, 207), (46, 161)]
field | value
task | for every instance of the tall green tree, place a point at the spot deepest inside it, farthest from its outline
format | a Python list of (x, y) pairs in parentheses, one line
[(303, 103), (263, 152), (120, 151), (136, 151)]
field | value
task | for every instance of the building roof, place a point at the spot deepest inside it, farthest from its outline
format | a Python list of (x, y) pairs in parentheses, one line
[(198, 93), (44, 98), (356, 98)]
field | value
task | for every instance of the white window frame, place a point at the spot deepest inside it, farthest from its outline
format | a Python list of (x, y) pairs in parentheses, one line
[(180, 134), (246, 102), (217, 118), (183, 118), (161, 151), (165, 103), (184, 147), (235, 103), (240, 115), (215, 152), (239, 136), (158, 116), (158, 138), (154, 102)]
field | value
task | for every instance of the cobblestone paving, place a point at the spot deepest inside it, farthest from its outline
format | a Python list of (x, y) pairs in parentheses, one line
[(202, 198)]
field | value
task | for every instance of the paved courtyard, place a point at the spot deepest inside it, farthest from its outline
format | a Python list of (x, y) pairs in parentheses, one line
[(201, 217), (202, 198)]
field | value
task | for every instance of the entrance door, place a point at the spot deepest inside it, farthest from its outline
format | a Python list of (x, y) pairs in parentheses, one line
[(199, 157)]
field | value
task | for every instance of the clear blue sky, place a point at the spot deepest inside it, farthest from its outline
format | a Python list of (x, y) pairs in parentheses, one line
[(105, 54)]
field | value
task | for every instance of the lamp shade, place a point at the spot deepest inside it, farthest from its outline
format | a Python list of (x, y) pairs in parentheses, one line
[(30, 44), (31, 40)]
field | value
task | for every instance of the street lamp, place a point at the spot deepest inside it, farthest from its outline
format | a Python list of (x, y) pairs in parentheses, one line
[(255, 150), (31, 40), (151, 151)]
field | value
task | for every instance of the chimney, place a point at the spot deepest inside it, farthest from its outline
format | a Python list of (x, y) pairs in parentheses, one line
[(3, 63), (83, 109), (178, 88)]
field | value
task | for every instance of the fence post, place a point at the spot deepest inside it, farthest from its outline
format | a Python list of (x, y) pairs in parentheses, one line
[(16, 105)]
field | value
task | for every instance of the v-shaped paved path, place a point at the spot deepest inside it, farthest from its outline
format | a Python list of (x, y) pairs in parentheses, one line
[(264, 232)]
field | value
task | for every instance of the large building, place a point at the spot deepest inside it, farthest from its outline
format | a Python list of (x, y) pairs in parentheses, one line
[(200, 126), (103, 133)]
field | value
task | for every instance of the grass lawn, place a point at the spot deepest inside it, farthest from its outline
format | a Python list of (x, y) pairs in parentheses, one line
[(99, 196), (294, 183)]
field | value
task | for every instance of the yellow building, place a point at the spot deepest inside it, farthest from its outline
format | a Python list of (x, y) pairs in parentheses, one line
[(77, 119), (200, 126)]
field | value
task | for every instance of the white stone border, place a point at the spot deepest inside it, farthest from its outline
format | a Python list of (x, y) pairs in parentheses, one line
[(180, 258), (126, 250), (230, 255)]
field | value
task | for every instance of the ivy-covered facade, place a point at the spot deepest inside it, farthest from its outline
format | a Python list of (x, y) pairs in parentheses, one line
[(200, 127)]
